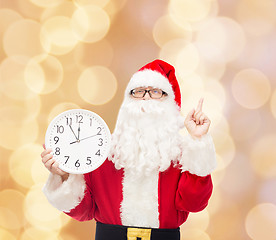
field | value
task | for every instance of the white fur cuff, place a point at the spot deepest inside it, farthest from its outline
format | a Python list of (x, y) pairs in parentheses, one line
[(199, 156), (64, 195)]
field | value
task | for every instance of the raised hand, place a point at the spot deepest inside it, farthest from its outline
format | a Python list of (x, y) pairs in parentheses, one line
[(196, 122)]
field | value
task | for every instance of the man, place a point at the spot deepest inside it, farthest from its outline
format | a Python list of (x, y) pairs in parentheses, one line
[(153, 176)]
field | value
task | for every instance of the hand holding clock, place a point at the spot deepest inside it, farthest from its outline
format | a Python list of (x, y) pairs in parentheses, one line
[(51, 164)]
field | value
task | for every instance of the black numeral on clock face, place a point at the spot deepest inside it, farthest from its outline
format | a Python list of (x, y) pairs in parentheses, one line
[(99, 131), (69, 121), (60, 129), (67, 158), (98, 153), (77, 163), (79, 118), (56, 139), (89, 161), (57, 151), (101, 142)]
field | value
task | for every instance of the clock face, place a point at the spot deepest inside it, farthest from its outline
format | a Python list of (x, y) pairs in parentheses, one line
[(79, 139)]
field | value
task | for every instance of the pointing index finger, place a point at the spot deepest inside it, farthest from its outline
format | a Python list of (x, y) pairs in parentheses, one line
[(199, 106)]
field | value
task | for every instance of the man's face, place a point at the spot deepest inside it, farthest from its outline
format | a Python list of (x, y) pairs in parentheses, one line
[(148, 93)]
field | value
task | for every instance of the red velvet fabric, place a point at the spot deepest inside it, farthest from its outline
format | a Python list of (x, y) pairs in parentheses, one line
[(179, 194)]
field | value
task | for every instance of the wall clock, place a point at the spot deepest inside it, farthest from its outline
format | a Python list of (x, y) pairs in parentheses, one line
[(79, 139)]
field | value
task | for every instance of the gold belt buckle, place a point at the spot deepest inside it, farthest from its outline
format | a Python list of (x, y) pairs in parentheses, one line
[(140, 233)]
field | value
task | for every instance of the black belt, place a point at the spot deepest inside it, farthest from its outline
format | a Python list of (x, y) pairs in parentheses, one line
[(117, 232)]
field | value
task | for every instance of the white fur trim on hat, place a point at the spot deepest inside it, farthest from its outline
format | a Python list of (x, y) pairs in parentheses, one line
[(65, 195), (199, 156), (150, 78)]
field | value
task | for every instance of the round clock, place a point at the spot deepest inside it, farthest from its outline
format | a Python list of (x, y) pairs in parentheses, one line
[(79, 139)]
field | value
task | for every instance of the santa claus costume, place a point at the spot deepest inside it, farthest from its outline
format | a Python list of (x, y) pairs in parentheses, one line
[(153, 178)]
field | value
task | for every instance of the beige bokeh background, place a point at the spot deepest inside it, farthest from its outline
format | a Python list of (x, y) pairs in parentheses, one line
[(57, 55)]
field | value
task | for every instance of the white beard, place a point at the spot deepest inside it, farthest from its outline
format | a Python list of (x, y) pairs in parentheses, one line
[(146, 137)]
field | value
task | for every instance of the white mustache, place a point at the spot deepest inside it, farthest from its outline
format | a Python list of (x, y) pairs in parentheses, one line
[(138, 107)]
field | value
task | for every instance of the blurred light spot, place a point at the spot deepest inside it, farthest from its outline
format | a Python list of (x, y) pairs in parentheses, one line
[(211, 69), (28, 32), (34, 76), (189, 10), (257, 17), (33, 233), (187, 60), (18, 112), (189, 83), (220, 39), (61, 107), (238, 186), (216, 88), (194, 234), (57, 36), (87, 54), (261, 221), (47, 4), (66, 9), (43, 75), (90, 23), (198, 220), (267, 192), (166, 30), (215, 202), (114, 7), (4, 234), (240, 118), (100, 3), (36, 205), (226, 149), (260, 53), (251, 88), (18, 170), (221, 129), (12, 82), (8, 219), (28, 9), (11, 209), (14, 135), (68, 236), (219, 173), (169, 51), (7, 17), (220, 164), (263, 155), (230, 210), (97, 85), (273, 104), (39, 173)]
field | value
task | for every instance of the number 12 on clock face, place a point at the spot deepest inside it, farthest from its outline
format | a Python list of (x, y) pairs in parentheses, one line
[(79, 139)]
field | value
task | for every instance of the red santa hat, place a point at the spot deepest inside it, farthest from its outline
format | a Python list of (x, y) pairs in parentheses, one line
[(157, 74)]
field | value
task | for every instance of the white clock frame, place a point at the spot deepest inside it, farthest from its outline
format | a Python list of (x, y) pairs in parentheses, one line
[(79, 139)]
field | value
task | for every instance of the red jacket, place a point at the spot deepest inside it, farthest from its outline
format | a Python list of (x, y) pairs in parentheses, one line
[(159, 200), (178, 194)]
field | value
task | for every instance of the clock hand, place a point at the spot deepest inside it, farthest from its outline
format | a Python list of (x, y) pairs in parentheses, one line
[(84, 138), (79, 132), (73, 132)]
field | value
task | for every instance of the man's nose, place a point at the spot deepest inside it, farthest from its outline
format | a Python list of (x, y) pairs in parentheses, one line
[(147, 96)]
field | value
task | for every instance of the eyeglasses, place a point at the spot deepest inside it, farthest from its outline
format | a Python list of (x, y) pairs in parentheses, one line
[(155, 93)]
